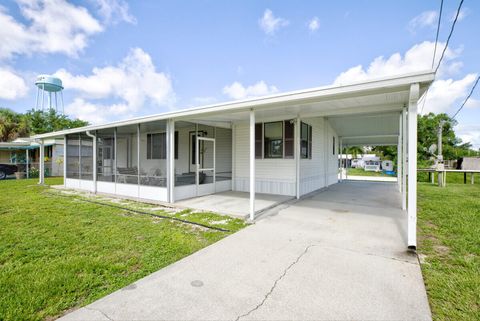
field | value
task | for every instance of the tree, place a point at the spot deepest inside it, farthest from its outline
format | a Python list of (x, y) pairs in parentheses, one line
[(13, 124)]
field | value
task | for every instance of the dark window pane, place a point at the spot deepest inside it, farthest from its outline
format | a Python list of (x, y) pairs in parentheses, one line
[(176, 145), (258, 140), (149, 146), (273, 139), (333, 145), (289, 140)]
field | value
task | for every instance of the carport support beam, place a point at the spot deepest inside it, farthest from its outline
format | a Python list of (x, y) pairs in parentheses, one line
[(297, 155), (41, 174), (341, 159), (399, 154), (252, 165), (171, 160), (404, 159), (412, 166)]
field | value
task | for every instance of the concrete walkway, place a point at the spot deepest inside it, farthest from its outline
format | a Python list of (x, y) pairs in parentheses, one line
[(338, 255)]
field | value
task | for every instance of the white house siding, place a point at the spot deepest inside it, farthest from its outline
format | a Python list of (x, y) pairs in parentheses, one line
[(332, 159), (312, 171), (272, 176), (223, 157)]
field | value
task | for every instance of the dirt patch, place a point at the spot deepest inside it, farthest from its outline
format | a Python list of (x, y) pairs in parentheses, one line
[(441, 249), (340, 210)]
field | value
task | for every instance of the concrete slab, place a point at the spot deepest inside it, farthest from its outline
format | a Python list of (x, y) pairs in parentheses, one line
[(338, 255), (233, 203)]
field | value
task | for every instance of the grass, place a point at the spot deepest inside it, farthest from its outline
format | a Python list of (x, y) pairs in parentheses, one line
[(58, 253), (449, 248), (361, 172)]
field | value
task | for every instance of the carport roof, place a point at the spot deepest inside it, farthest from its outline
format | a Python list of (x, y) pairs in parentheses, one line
[(342, 104)]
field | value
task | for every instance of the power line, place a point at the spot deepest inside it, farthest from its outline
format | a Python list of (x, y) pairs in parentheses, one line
[(468, 97), (438, 31), (449, 35), (434, 50)]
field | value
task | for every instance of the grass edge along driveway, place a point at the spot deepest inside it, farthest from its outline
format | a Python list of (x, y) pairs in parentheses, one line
[(59, 253)]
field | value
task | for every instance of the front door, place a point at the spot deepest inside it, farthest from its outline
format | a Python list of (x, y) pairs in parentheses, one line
[(205, 165)]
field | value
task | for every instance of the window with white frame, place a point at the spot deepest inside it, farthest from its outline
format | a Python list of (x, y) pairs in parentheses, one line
[(305, 141)]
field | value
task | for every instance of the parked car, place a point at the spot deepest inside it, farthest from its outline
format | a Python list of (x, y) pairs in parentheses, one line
[(7, 169)]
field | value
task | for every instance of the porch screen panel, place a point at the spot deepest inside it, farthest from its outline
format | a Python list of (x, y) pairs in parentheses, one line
[(289, 140), (206, 152), (106, 155), (73, 156), (126, 145), (223, 155), (86, 157), (153, 154)]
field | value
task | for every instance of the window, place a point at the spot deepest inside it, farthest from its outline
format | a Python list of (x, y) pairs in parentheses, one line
[(305, 141), (258, 140), (157, 146), (333, 145), (289, 140), (273, 140)]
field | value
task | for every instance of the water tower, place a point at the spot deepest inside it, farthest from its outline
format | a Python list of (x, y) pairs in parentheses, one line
[(46, 86)]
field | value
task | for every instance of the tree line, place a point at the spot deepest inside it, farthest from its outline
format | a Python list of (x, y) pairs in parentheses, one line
[(33, 122)]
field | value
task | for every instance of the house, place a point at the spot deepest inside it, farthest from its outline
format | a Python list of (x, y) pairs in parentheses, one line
[(25, 154), (284, 144)]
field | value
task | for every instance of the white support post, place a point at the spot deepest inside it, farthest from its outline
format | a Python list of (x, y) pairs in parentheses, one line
[(404, 159), (65, 161), (171, 160), (297, 154), (234, 142), (341, 158), (94, 154), (412, 166), (138, 160), (399, 154), (252, 165), (41, 175), (26, 165)]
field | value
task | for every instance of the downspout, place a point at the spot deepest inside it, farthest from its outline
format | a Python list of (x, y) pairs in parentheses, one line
[(94, 139)]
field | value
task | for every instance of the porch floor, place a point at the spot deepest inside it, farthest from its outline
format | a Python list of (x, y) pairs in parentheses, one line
[(233, 203)]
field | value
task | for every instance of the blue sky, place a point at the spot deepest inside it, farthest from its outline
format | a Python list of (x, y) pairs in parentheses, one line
[(120, 59)]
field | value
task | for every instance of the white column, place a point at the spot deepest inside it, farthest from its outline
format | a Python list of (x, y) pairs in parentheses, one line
[(138, 160), (95, 163), (399, 154), (41, 174), (171, 160), (65, 161), (341, 158), (252, 164), (26, 161), (296, 144), (234, 143), (404, 159), (412, 166)]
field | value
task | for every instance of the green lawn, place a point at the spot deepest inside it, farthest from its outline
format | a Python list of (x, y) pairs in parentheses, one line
[(449, 248), (59, 252), (361, 172)]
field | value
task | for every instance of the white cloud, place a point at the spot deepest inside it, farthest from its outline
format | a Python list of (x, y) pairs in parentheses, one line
[(114, 11), (446, 95), (238, 91), (469, 133), (270, 24), (12, 86), (53, 26), (314, 24), (417, 58), (134, 82), (425, 19)]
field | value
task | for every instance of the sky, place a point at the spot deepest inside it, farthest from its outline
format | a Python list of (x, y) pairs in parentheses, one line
[(120, 59)]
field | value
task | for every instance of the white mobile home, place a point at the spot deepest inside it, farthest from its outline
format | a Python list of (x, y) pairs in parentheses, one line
[(285, 144)]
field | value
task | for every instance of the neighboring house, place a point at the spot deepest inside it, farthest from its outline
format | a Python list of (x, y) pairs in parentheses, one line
[(283, 144), (468, 163), (25, 153)]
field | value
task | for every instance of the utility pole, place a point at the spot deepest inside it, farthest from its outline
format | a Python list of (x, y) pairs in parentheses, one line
[(440, 165)]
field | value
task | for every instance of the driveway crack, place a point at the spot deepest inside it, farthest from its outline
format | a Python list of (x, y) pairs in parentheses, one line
[(103, 313), (267, 295)]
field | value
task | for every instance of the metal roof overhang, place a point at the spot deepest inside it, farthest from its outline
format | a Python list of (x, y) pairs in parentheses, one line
[(343, 105)]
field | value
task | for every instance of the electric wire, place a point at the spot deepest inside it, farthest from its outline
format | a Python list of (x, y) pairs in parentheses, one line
[(468, 97)]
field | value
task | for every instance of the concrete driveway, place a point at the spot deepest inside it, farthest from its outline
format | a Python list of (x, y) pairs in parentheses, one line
[(338, 255)]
